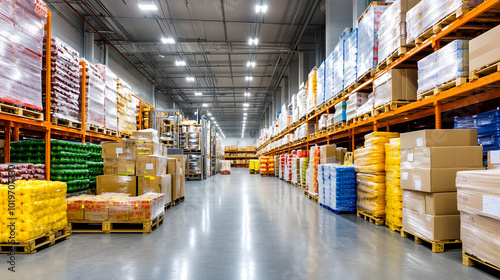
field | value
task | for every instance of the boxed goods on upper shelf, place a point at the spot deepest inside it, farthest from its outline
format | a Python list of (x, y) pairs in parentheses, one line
[(329, 77), (395, 85), (340, 112), (338, 68), (312, 83), (94, 95), (110, 100), (350, 59), (320, 78), (355, 101), (21, 50), (124, 104)]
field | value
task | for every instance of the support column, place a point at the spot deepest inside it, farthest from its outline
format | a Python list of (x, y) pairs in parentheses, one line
[(293, 77), (88, 41), (285, 98), (338, 17), (301, 66)]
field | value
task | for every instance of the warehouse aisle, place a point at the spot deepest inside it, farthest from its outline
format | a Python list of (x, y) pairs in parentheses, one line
[(245, 226)]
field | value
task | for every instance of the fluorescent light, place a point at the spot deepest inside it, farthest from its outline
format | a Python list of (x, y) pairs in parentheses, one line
[(253, 41), (212, 118), (245, 108), (198, 93), (251, 64), (167, 40), (261, 9), (180, 63), (244, 118), (205, 105), (147, 6), (246, 104), (190, 79), (247, 93), (244, 114), (161, 56), (248, 78), (209, 114)]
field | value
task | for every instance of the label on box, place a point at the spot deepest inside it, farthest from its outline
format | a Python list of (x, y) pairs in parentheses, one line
[(119, 151), (404, 176), (495, 157), (418, 185), (128, 178), (149, 166), (491, 205), (130, 169), (420, 142), (428, 219), (41, 8), (409, 157)]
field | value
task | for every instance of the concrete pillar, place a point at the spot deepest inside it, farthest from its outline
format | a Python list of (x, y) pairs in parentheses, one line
[(301, 68), (293, 77), (285, 97), (88, 41), (338, 17), (105, 54)]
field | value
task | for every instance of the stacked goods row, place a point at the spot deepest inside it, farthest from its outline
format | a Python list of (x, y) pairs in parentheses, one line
[(338, 68), (254, 165), (329, 77), (337, 187), (116, 207), (340, 112), (393, 193), (139, 166), (395, 85), (445, 65), (354, 102), (21, 171), (392, 28), (267, 165), (110, 98), (21, 54), (312, 83), (94, 95), (295, 170), (430, 160), (426, 13), (124, 110), (302, 99), (304, 165), (320, 87), (312, 171), (478, 199), (225, 166), (368, 41), (193, 164), (65, 81), (74, 163), (350, 59), (370, 176), (40, 208)]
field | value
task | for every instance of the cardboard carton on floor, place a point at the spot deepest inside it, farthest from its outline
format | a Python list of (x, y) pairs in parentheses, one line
[(156, 184), (117, 184), (182, 173), (431, 180), (174, 169), (433, 227), (480, 237), (431, 203)]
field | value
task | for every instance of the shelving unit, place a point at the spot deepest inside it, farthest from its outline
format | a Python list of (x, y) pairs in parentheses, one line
[(474, 92), (235, 155)]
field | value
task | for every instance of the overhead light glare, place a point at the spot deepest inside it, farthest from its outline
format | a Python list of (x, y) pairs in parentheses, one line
[(251, 64), (261, 9), (209, 114), (246, 104), (253, 41), (147, 6), (190, 79), (248, 78), (205, 105), (168, 40), (247, 93), (180, 63), (198, 93)]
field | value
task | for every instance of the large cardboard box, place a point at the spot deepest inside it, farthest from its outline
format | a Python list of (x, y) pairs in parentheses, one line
[(395, 85), (479, 192), (182, 174), (144, 135), (125, 149), (484, 50), (119, 167), (341, 155), (327, 154), (174, 169), (156, 184), (442, 157), (149, 148), (431, 180), (493, 159), (151, 165), (431, 203), (117, 184), (433, 227), (439, 138), (480, 237)]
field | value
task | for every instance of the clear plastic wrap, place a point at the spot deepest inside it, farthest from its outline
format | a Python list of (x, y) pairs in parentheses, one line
[(312, 170), (367, 107), (368, 44), (225, 165), (393, 195), (432, 227), (428, 12), (392, 30), (94, 106), (480, 237), (302, 102), (312, 90), (39, 209), (320, 78), (110, 100), (125, 110), (350, 59), (329, 77), (355, 101), (478, 192), (338, 68), (340, 112)]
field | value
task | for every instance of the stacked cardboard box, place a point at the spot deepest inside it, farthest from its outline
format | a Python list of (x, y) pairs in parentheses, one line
[(395, 85), (370, 168), (478, 203), (483, 51), (138, 166), (312, 170), (430, 160)]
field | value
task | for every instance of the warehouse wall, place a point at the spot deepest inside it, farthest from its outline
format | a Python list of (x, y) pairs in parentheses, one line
[(238, 141), (70, 30)]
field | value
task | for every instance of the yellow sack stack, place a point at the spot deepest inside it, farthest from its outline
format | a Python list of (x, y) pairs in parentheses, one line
[(393, 194), (254, 165)]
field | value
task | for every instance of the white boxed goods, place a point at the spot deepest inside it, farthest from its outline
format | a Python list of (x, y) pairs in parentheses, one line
[(340, 112), (301, 101), (367, 107), (320, 88), (338, 68), (355, 101), (329, 87), (110, 101), (368, 39), (350, 59), (94, 96), (124, 107)]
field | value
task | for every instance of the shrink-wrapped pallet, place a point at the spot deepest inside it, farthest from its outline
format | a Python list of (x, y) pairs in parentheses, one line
[(320, 87), (350, 59)]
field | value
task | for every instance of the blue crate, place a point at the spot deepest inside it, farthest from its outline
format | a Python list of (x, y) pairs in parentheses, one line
[(488, 118), (468, 122), (488, 129)]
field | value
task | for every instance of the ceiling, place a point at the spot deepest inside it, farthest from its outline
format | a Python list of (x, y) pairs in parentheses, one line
[(212, 38)]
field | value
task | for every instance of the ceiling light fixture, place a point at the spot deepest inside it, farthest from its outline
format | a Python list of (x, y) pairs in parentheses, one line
[(245, 108), (205, 105), (190, 79), (248, 78), (244, 114), (161, 56), (246, 105), (198, 93), (247, 93), (147, 6), (180, 63), (167, 40), (253, 41), (261, 9), (251, 64), (212, 118), (209, 114)]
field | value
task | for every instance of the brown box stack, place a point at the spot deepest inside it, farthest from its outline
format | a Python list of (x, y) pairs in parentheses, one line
[(430, 160)]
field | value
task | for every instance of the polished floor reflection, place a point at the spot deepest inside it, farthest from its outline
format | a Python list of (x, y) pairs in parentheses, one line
[(245, 226)]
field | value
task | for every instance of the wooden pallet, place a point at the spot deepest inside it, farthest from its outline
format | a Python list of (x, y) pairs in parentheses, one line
[(225, 172), (393, 105), (364, 116), (127, 136), (311, 197), (471, 260), (193, 176), (94, 128), (445, 86), (374, 3), (168, 206), (21, 112), (437, 245), (392, 226), (330, 101), (351, 87), (372, 219), (339, 125), (352, 121), (31, 246), (312, 113), (302, 119), (330, 129), (146, 226), (366, 76), (254, 172), (393, 57), (65, 123), (436, 28), (178, 201), (267, 174), (484, 71), (192, 151), (110, 132)]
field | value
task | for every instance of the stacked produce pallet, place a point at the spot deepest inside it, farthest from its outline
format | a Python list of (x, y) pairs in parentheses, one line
[(393, 194)]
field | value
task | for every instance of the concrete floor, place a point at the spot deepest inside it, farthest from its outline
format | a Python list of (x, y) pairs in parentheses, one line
[(245, 226)]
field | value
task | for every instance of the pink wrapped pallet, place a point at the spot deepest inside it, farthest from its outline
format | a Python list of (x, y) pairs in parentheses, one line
[(21, 50)]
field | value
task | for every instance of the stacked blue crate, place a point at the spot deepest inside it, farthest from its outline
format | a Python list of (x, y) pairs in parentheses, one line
[(320, 85), (343, 188), (329, 77)]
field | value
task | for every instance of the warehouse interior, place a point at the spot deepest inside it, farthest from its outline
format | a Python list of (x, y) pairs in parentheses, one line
[(296, 139)]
